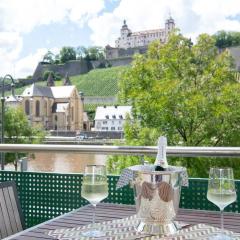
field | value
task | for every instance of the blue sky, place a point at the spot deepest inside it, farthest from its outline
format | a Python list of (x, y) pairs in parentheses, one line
[(28, 28)]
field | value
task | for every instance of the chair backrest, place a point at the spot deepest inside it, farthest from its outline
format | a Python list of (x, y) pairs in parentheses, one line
[(11, 217)]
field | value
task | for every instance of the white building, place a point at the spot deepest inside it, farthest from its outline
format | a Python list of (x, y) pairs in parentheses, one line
[(111, 118), (129, 39)]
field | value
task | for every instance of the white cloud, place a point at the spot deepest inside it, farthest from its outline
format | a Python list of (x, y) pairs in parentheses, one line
[(21, 17), (10, 47), (191, 16), (21, 68), (25, 66)]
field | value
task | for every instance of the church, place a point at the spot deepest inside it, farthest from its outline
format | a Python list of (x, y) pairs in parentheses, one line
[(53, 107)]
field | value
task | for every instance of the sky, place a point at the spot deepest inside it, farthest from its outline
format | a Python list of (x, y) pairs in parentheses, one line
[(29, 28)]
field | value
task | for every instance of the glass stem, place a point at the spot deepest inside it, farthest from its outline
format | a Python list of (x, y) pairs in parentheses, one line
[(222, 222)]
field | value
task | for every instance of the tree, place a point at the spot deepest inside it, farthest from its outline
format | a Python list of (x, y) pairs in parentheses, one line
[(91, 53), (56, 75), (81, 52), (18, 130), (188, 93), (67, 54), (227, 39), (95, 53), (49, 57), (46, 74), (57, 59)]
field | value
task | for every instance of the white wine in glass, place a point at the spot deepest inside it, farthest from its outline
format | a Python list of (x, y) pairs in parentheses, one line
[(94, 189), (221, 192)]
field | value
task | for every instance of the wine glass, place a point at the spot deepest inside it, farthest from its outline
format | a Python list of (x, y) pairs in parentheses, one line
[(221, 192), (94, 189)]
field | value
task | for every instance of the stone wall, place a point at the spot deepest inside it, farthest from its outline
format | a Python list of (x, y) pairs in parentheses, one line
[(115, 53), (120, 61), (235, 52), (72, 67)]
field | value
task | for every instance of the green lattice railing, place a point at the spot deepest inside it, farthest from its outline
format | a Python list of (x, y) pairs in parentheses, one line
[(46, 195)]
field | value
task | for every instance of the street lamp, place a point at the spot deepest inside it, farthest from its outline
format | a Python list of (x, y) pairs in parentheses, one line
[(8, 76)]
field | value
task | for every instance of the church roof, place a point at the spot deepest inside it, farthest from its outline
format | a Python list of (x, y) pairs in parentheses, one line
[(62, 91), (37, 91), (50, 92)]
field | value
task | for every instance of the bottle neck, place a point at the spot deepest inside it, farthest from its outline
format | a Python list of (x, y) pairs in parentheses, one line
[(161, 158)]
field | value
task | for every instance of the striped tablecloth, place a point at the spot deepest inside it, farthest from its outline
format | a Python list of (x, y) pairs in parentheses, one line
[(124, 229)]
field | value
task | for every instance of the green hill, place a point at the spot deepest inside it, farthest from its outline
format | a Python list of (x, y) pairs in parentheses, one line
[(99, 82)]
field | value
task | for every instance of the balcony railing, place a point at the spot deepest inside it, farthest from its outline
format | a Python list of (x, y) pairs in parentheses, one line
[(128, 150), (47, 195)]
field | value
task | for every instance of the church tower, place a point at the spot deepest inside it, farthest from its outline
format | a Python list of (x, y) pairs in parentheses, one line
[(169, 25), (50, 80), (66, 80), (125, 31)]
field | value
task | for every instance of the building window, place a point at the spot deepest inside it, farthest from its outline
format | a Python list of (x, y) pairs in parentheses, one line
[(104, 122), (112, 128), (27, 107), (114, 116), (72, 114), (37, 108), (56, 118), (119, 128), (45, 108)]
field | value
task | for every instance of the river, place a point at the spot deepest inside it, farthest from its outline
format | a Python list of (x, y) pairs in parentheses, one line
[(62, 162)]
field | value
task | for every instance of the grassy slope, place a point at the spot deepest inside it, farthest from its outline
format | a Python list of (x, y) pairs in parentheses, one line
[(99, 82)]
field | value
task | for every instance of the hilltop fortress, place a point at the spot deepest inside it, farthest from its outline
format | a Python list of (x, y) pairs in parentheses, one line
[(130, 42)]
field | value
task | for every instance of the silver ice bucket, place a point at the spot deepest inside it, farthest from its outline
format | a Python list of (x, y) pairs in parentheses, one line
[(157, 196)]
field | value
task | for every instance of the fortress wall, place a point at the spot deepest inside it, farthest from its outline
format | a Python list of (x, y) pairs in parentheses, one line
[(72, 67), (120, 61)]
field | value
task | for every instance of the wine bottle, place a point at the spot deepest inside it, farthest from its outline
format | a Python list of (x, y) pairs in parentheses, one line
[(161, 163)]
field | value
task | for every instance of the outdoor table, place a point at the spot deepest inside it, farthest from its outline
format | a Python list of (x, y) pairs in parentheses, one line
[(108, 212)]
